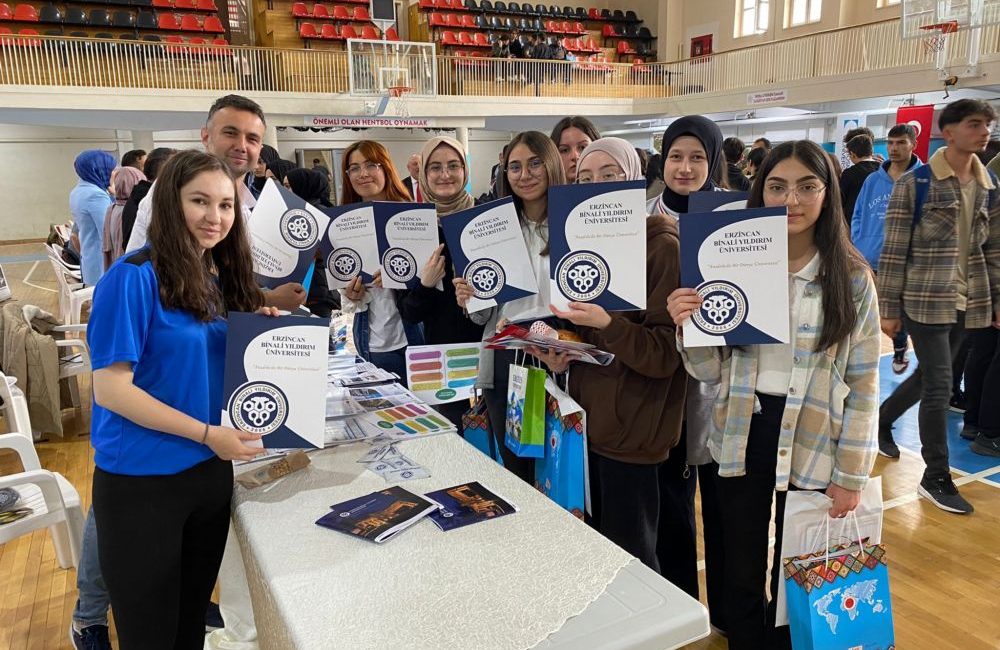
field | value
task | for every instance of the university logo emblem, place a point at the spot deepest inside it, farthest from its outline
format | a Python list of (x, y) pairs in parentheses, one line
[(583, 276), (258, 407), (299, 228), (399, 265), (486, 278), (344, 264), (723, 307)]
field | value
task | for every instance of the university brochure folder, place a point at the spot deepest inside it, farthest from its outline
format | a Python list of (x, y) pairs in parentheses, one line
[(379, 516), (469, 503)]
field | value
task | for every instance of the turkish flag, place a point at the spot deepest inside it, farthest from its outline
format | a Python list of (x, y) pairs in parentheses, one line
[(920, 118)]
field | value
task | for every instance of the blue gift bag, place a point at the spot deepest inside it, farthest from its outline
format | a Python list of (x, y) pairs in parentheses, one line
[(839, 599), (476, 430), (562, 473)]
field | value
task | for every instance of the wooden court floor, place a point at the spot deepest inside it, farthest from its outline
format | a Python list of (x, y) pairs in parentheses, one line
[(944, 569)]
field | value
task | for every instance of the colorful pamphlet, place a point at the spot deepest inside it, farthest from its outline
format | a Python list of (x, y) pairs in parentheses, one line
[(349, 246), (597, 244), (488, 250), (275, 378), (407, 235), (466, 504), (439, 374), (284, 234), (379, 516), (409, 421), (515, 337), (737, 260)]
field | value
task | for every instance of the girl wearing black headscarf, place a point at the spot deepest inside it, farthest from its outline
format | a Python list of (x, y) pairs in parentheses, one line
[(278, 169), (313, 187), (692, 162)]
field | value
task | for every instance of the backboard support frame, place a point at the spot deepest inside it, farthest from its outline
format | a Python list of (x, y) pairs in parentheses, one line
[(922, 18)]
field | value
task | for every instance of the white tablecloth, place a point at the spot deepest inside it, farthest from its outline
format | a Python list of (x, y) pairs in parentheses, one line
[(504, 584)]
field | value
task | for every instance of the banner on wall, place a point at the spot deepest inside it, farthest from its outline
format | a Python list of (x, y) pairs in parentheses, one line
[(845, 122), (920, 118)]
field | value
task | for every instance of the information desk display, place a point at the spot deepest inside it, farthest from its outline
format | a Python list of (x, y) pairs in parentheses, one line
[(536, 578)]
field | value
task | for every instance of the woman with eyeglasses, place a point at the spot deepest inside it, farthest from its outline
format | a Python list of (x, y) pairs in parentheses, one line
[(531, 165), (635, 405), (442, 178), (797, 416), (380, 334), (571, 136)]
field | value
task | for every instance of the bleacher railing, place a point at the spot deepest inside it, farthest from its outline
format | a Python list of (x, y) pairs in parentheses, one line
[(61, 61)]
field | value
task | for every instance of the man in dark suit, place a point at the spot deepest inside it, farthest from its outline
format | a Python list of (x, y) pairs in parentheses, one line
[(413, 166)]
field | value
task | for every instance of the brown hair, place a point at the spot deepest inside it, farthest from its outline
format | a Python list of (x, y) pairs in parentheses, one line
[(176, 255), (376, 153), (543, 147), (839, 258)]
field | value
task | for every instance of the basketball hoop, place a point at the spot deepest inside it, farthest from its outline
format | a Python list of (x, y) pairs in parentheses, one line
[(937, 37), (399, 94)]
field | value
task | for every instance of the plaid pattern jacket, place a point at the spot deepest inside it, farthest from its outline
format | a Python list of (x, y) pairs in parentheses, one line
[(916, 273), (829, 427)]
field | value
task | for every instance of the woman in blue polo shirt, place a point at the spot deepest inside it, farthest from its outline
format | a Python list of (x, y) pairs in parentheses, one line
[(157, 335)]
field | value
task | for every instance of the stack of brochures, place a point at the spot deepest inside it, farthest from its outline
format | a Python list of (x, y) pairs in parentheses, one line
[(514, 337), (379, 516)]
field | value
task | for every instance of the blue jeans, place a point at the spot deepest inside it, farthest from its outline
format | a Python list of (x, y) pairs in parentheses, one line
[(92, 601)]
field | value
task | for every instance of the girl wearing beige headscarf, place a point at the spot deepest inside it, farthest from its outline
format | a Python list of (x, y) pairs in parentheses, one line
[(443, 178)]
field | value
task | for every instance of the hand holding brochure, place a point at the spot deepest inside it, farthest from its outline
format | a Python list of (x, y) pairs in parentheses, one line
[(407, 235), (597, 244), (738, 262), (514, 337), (488, 250), (466, 504), (284, 234), (379, 516), (275, 378)]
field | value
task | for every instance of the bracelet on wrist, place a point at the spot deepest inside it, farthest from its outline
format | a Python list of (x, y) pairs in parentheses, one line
[(204, 436)]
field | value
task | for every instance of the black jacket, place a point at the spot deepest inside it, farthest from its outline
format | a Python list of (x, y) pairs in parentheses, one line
[(444, 321), (139, 192), (737, 181), (850, 185), (409, 183)]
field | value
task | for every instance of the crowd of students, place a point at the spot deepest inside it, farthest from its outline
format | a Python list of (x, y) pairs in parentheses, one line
[(746, 424)]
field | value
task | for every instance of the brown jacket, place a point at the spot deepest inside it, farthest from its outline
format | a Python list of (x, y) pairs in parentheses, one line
[(635, 405)]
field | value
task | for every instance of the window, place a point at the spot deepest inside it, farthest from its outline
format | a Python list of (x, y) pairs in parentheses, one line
[(882, 4), (751, 17), (802, 12)]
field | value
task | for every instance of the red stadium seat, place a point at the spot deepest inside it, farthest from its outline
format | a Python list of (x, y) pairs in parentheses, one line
[(361, 14), (454, 20), (330, 32), (448, 39), (5, 12), (308, 30), (208, 5), (466, 39), (438, 20), (168, 22), (340, 13), (553, 27), (368, 33), (468, 21), (579, 28), (426, 5), (624, 48), (28, 42), (25, 14), (213, 25), (391, 34), (185, 5), (299, 10), (481, 40), (190, 23), (320, 12), (590, 45), (346, 32), (594, 13)]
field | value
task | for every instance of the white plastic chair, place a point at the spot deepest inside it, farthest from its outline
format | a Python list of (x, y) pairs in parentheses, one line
[(54, 502), (72, 363), (73, 295), (74, 269), (15, 405)]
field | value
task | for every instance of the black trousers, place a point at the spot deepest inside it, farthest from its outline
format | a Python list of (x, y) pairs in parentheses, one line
[(982, 381), (715, 557), (675, 539), (745, 503), (625, 505), (161, 543)]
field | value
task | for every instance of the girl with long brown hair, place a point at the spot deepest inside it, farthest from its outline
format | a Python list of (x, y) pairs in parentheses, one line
[(531, 165), (157, 335), (800, 415), (380, 334)]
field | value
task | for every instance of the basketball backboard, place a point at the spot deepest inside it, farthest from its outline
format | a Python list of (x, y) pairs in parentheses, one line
[(919, 15)]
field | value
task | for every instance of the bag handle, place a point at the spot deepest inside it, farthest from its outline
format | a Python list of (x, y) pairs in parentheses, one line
[(857, 528)]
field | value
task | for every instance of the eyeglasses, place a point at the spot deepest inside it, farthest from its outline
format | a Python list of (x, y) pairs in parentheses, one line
[(369, 168), (535, 167), (604, 175), (805, 193), (453, 169)]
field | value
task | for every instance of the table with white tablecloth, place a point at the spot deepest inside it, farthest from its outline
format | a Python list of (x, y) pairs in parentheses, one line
[(539, 576)]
